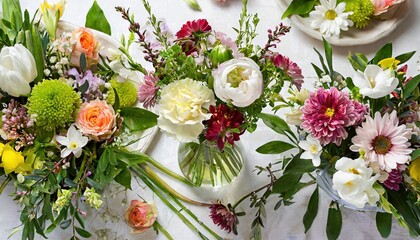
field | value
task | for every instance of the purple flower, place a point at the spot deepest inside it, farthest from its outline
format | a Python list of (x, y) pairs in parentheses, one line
[(95, 82), (290, 67), (147, 91), (224, 217), (394, 179)]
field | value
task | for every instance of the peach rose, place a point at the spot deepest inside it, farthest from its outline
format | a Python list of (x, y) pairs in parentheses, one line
[(96, 119), (140, 216), (85, 43)]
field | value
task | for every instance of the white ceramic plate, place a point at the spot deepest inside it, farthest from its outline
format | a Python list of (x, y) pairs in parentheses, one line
[(375, 30), (108, 43)]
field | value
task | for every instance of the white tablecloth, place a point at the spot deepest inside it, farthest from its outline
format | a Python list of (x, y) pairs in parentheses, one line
[(286, 222)]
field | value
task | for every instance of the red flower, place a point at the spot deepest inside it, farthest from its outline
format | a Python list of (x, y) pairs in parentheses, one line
[(191, 27), (224, 217), (224, 125)]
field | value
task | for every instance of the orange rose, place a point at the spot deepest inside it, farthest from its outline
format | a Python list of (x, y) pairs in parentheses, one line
[(140, 216), (85, 43), (96, 119)]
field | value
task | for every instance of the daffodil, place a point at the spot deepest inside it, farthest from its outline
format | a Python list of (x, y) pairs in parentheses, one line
[(51, 13), (415, 170), (10, 159), (74, 142), (389, 63)]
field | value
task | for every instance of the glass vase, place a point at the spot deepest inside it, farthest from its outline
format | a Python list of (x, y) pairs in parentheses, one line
[(204, 164)]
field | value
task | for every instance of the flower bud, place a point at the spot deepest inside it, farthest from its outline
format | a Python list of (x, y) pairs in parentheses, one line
[(220, 54)]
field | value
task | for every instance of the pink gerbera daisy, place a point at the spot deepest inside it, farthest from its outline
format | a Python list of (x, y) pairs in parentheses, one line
[(383, 142), (290, 67), (326, 114)]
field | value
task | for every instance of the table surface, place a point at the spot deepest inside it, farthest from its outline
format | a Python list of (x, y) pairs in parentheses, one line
[(286, 222)]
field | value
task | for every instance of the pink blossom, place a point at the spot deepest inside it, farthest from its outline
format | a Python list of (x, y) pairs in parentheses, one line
[(383, 6), (360, 111), (290, 67), (228, 42), (326, 114), (147, 91)]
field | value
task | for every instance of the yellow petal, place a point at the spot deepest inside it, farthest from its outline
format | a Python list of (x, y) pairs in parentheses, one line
[(1, 148), (389, 63), (10, 159), (415, 169)]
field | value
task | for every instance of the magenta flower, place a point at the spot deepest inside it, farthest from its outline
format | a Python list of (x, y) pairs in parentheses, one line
[(147, 91), (360, 111), (224, 217), (193, 27), (326, 114), (290, 67), (394, 179)]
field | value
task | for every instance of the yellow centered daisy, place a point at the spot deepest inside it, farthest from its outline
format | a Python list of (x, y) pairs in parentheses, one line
[(330, 15), (329, 112)]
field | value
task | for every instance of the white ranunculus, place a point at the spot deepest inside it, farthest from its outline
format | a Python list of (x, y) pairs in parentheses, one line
[(375, 82), (17, 70), (183, 108), (354, 182), (238, 81)]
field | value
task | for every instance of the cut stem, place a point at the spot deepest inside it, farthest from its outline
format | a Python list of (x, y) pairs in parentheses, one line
[(163, 169), (4, 184)]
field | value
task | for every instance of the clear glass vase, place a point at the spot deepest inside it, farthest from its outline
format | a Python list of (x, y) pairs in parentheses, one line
[(204, 164)]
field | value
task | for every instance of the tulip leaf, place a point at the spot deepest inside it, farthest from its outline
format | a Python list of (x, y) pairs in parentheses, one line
[(411, 86), (384, 223), (274, 147), (328, 55), (358, 61), (384, 52), (83, 233), (124, 178), (12, 13), (138, 119), (312, 210), (334, 221), (96, 19), (405, 57), (299, 7)]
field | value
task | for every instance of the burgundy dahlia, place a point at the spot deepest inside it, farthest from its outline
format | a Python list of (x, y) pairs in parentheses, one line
[(290, 67), (394, 179), (326, 114), (224, 217), (193, 27), (147, 91), (225, 125)]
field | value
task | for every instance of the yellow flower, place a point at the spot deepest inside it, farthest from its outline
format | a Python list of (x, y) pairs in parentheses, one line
[(11, 159), (51, 13), (415, 169), (391, 63)]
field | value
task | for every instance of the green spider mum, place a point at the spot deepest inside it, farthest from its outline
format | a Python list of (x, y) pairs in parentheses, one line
[(53, 103), (127, 93), (362, 12)]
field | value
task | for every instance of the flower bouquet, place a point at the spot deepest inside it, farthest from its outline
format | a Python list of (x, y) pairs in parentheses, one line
[(361, 137), (209, 89), (342, 21)]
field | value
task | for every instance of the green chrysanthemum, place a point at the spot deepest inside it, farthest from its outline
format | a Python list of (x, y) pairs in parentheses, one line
[(362, 12), (53, 103), (127, 93)]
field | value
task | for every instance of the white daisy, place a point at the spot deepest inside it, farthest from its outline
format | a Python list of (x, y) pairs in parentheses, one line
[(383, 143), (330, 18)]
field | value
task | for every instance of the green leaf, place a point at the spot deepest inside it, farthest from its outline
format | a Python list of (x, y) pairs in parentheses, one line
[(38, 228), (193, 4), (131, 159), (274, 147), (275, 122), (311, 211), (321, 60), (65, 224), (384, 52), (124, 178), (80, 219), (138, 119), (358, 61), (103, 161), (401, 202), (299, 166), (384, 223), (84, 87), (96, 19), (411, 86), (286, 182), (299, 7), (318, 70), (12, 13), (82, 62), (83, 233), (111, 157), (334, 222), (51, 228), (405, 57), (328, 54), (415, 154)]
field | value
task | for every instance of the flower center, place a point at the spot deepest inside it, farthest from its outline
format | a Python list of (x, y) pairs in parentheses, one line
[(354, 171), (313, 149), (330, 14), (329, 112), (372, 82), (73, 145), (381, 145), (236, 76)]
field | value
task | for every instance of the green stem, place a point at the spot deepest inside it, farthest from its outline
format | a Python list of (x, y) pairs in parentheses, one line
[(169, 172), (141, 173), (81, 169), (163, 230), (4, 184), (163, 185), (251, 193), (193, 216)]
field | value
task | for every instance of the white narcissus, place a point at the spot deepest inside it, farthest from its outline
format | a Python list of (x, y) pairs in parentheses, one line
[(313, 150), (238, 81), (74, 142), (354, 182), (375, 82), (17, 70)]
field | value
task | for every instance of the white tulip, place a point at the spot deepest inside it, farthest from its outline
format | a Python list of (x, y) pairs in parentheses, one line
[(354, 182), (375, 82), (17, 70), (238, 81)]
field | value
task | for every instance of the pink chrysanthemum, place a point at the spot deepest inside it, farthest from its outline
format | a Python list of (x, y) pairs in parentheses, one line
[(360, 111), (224, 217), (290, 67), (385, 144), (148, 90), (326, 114), (193, 27)]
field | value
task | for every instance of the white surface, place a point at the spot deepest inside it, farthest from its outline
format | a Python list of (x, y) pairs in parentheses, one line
[(376, 30), (285, 223)]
